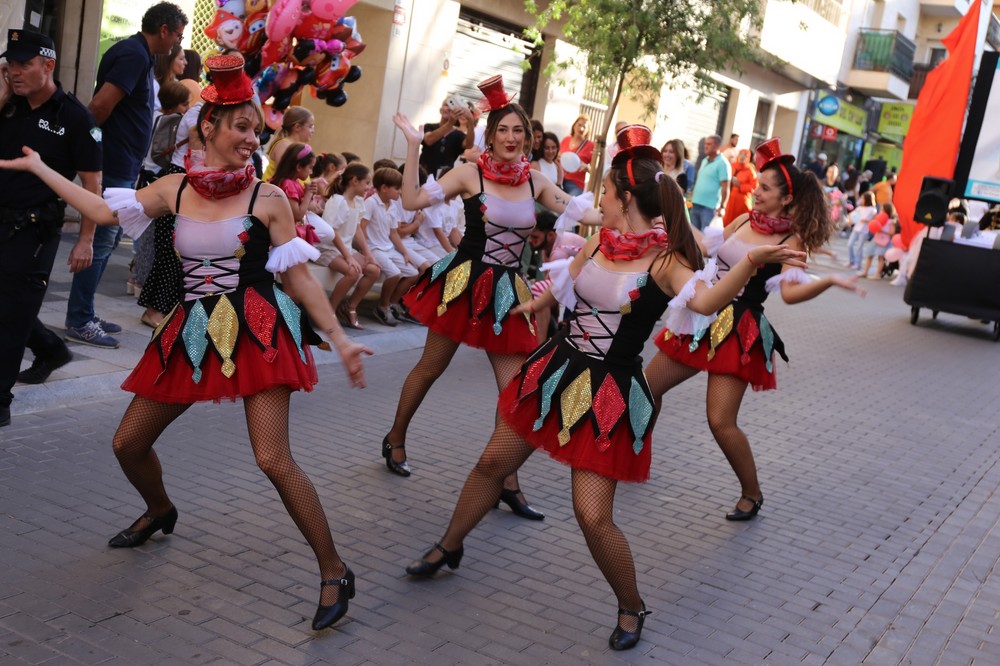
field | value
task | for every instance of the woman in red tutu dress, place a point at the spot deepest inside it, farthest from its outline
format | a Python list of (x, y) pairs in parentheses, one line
[(738, 348), (582, 396), (467, 297), (235, 334)]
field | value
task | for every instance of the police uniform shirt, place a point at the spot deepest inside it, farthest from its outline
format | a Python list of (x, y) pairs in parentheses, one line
[(61, 130), (128, 65)]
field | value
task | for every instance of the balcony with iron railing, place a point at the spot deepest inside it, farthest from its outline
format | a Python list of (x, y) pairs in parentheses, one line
[(883, 64), (920, 72)]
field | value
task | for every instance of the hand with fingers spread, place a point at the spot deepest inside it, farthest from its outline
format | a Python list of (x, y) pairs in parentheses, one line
[(848, 282), (351, 356), (414, 135)]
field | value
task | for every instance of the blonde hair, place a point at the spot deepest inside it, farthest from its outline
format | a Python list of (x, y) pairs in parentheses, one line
[(586, 132)]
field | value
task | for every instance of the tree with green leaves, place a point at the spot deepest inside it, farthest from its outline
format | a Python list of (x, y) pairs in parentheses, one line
[(639, 46)]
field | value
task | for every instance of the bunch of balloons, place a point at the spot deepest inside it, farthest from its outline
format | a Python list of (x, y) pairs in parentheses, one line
[(288, 44)]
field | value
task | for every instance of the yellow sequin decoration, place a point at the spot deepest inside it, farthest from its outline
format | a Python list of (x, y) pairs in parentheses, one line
[(454, 285), (524, 296), (574, 403), (223, 327), (667, 334), (239, 252), (720, 328), (625, 307)]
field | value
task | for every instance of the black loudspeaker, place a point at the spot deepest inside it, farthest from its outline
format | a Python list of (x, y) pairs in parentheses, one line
[(932, 203)]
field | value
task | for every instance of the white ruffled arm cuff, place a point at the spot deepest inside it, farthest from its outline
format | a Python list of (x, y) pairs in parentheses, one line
[(712, 239), (574, 212), (435, 193), (286, 255), (131, 215), (562, 281), (678, 317), (793, 275)]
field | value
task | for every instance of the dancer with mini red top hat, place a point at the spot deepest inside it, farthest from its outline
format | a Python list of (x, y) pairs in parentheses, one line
[(582, 396), (235, 334), (737, 349), (468, 296)]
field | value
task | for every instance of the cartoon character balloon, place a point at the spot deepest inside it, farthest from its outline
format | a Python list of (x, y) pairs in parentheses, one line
[(225, 30)]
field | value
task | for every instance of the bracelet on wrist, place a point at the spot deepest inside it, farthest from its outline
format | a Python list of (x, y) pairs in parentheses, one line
[(753, 263)]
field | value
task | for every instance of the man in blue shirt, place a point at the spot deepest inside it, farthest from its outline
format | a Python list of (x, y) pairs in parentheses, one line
[(123, 108), (711, 185)]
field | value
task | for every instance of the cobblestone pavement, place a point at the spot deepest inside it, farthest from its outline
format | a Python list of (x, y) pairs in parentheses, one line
[(877, 544)]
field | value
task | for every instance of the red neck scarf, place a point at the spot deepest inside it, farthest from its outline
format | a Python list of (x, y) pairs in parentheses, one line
[(505, 173), (216, 182), (631, 246), (768, 226)]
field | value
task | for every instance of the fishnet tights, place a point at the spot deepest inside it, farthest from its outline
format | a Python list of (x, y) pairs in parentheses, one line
[(593, 502), (724, 398), (438, 352), (267, 424)]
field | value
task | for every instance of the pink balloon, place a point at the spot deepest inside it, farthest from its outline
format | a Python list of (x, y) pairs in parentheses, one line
[(282, 18), (331, 9), (897, 241), (893, 254)]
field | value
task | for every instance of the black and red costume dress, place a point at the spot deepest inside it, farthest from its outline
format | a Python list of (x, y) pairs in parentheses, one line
[(235, 332), (582, 395), (468, 294), (740, 341)]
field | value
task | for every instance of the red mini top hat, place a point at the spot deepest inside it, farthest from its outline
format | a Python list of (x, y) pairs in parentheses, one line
[(770, 151), (495, 97), (230, 84), (633, 142)]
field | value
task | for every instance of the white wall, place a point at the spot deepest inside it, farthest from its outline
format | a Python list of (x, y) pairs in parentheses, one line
[(815, 50)]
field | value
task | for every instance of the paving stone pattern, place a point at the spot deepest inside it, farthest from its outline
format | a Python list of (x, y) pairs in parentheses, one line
[(877, 544)]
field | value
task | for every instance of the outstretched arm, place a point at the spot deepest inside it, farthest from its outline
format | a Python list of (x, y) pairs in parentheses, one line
[(550, 196), (89, 204)]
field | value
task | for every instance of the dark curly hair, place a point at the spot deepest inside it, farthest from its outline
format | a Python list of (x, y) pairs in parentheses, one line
[(808, 209)]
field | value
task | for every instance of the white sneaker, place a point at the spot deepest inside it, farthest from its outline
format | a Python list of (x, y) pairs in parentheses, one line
[(385, 316)]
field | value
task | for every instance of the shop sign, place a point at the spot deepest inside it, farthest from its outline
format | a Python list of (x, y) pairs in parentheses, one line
[(894, 120), (829, 133), (841, 115)]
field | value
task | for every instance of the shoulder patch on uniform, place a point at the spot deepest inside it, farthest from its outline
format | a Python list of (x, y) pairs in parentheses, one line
[(95, 132)]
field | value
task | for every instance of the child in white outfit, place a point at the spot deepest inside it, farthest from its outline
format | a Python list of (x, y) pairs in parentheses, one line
[(380, 224)]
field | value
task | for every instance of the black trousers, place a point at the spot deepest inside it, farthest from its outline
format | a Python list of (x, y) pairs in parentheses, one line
[(26, 260)]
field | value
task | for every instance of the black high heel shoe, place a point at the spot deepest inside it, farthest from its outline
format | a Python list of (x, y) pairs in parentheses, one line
[(327, 615), (626, 640), (424, 569), (517, 507), (129, 539), (401, 468), (739, 514)]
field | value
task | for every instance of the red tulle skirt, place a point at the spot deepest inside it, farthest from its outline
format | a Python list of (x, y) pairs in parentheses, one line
[(727, 360), (174, 384), (617, 461), (458, 323)]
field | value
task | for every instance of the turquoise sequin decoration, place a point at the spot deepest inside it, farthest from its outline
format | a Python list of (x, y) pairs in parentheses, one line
[(640, 410), (503, 298), (206, 262), (640, 282), (292, 315), (767, 340), (697, 340), (548, 388), (195, 340), (247, 223), (441, 264)]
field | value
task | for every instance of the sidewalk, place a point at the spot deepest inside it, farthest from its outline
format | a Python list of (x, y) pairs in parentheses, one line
[(878, 542)]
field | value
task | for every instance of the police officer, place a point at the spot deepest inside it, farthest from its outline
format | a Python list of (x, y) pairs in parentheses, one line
[(35, 112)]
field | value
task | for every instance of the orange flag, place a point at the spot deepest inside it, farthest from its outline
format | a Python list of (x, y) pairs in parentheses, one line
[(931, 145)]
